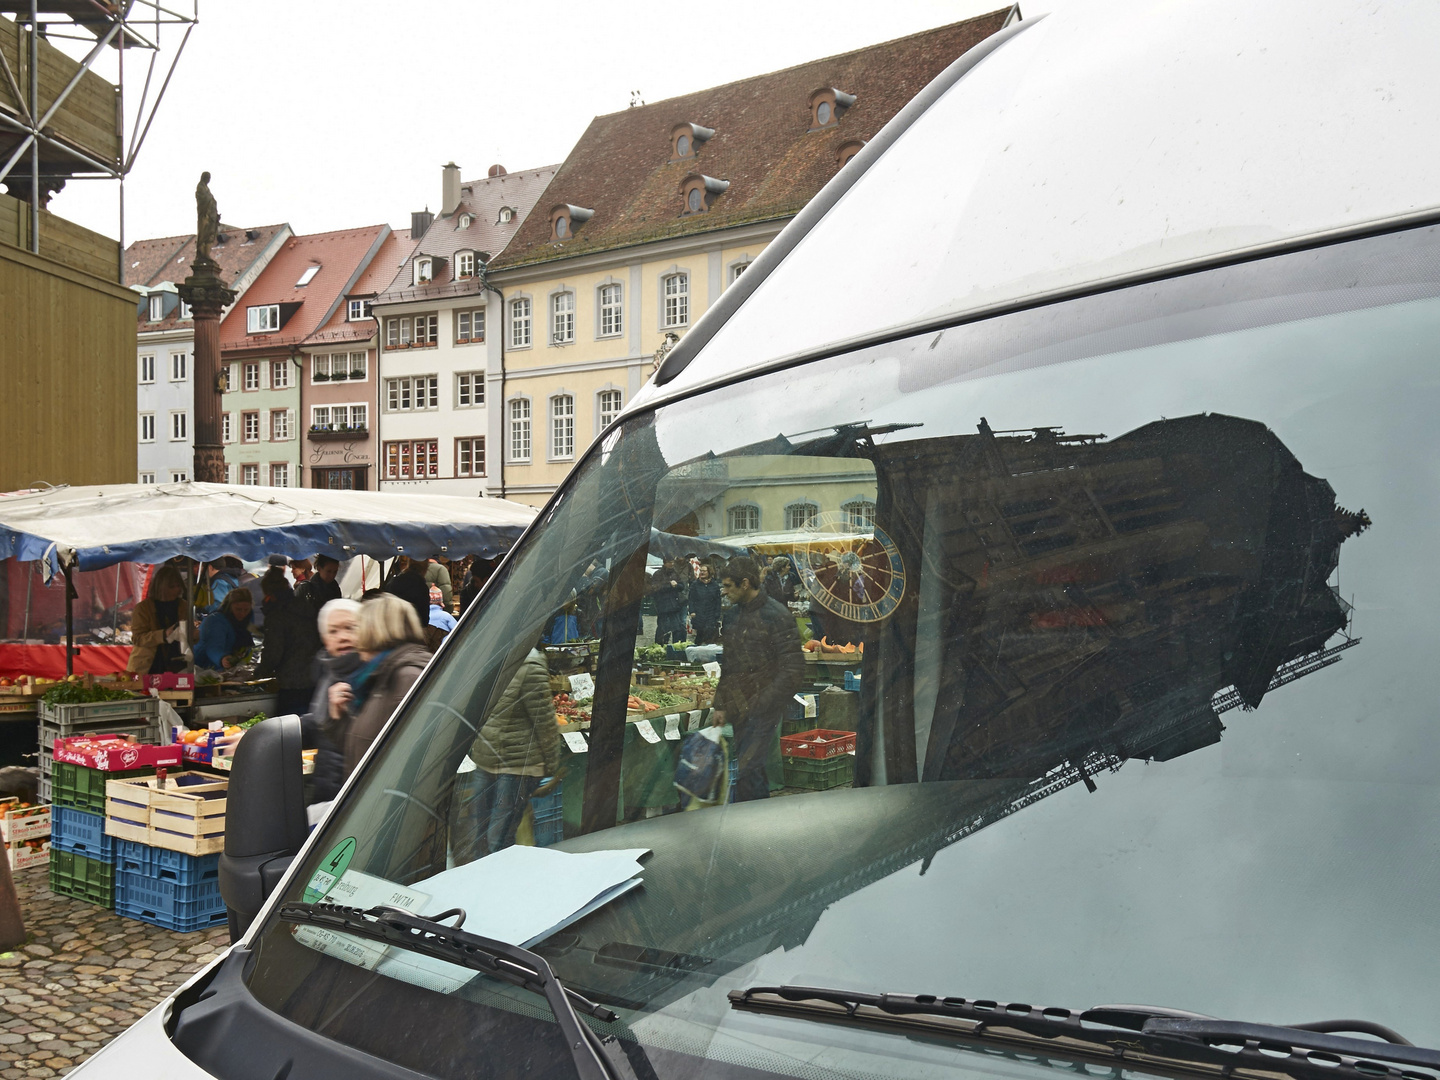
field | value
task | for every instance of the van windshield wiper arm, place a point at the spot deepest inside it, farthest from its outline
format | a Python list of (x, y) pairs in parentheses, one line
[(509, 963), (1125, 1031)]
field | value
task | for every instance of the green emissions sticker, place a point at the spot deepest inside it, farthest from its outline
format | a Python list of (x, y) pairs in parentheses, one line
[(329, 870)]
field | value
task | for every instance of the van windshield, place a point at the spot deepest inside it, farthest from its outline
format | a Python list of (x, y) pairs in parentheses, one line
[(1081, 655)]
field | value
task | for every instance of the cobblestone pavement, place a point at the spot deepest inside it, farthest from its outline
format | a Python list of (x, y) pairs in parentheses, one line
[(83, 977)]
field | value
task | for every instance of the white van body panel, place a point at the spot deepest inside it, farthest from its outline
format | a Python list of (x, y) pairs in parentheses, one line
[(1081, 151)]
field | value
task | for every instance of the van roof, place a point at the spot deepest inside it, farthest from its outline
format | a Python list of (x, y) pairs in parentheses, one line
[(1100, 144)]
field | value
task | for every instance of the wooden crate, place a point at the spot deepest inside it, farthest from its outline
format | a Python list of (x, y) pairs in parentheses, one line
[(187, 814)]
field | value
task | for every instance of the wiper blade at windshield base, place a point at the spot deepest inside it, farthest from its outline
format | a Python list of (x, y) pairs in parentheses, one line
[(1157, 1038), (509, 963)]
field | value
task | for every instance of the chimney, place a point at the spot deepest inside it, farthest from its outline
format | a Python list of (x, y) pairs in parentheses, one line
[(420, 221), (449, 189)]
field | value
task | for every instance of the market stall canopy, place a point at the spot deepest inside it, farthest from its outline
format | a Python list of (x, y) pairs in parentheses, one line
[(93, 527)]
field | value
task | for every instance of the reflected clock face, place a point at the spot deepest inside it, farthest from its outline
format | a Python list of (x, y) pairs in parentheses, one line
[(852, 571)]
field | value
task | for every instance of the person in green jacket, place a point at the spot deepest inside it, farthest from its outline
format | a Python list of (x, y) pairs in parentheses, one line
[(519, 744)]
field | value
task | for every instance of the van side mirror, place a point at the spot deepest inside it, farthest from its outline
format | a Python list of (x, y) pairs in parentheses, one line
[(265, 823)]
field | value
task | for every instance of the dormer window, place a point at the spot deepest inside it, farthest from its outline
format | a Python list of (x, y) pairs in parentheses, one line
[(700, 193), (157, 307), (507, 215), (566, 218), (262, 319), (464, 264), (423, 270), (827, 106), (849, 150), (464, 222), (686, 139)]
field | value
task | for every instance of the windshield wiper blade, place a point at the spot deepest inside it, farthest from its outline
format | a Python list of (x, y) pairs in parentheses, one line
[(509, 963), (1123, 1031)]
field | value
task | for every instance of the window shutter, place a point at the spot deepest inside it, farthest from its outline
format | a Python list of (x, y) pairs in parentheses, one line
[(264, 374), (290, 423), (264, 423)]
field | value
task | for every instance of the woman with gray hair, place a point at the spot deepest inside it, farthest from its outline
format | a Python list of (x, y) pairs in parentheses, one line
[(392, 646), (337, 661)]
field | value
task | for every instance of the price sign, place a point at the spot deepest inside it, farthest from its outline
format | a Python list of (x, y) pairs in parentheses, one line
[(646, 732), (576, 741), (672, 726), (582, 686)]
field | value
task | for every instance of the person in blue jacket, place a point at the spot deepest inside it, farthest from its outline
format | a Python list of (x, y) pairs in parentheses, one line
[(225, 634)]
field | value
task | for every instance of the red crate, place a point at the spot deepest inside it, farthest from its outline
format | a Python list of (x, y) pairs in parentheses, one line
[(821, 743), (114, 753)]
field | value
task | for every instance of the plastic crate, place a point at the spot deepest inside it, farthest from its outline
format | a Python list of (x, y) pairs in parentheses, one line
[(44, 789), (819, 775), (84, 879), (135, 858), (817, 743), (166, 903), (549, 814), (101, 712), (852, 681), (81, 833), (82, 788)]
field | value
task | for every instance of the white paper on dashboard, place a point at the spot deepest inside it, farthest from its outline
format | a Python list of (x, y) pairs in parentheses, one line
[(355, 889), (519, 895)]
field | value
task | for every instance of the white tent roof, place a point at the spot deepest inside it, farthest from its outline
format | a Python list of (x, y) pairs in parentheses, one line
[(94, 527)]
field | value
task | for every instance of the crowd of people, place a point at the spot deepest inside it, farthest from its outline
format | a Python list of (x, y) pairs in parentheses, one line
[(689, 602)]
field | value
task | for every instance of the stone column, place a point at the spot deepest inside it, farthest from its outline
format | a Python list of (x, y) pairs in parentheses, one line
[(208, 296)]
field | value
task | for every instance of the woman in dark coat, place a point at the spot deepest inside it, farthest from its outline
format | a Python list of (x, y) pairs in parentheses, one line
[(391, 644), (336, 662)]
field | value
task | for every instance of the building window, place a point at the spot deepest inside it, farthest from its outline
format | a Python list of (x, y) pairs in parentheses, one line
[(355, 311), (860, 514), (250, 426), (417, 459), (227, 427), (404, 331), (229, 377), (178, 476), (263, 319), (280, 475), (612, 316), (507, 215), (469, 389), (147, 427), (186, 313), (427, 329), (562, 426), (470, 326), (677, 299), (562, 226), (279, 374), (610, 404), (562, 318), (737, 270), (338, 417), (179, 426), (250, 474), (800, 515), (279, 425), (464, 222), (252, 376), (147, 369), (470, 456), (147, 478), (157, 307), (412, 394), (308, 275), (520, 429), (337, 367), (743, 519), (520, 323), (464, 262), (179, 366), (423, 268)]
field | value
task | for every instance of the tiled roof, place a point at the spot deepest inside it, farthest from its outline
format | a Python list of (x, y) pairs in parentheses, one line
[(167, 258), (482, 200), (338, 256), (622, 169), (393, 253)]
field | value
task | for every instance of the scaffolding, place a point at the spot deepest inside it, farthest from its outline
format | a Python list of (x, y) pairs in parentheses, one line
[(59, 119)]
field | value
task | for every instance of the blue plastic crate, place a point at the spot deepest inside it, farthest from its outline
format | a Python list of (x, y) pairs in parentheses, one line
[(549, 815), (165, 902), (132, 857), (852, 681), (81, 834)]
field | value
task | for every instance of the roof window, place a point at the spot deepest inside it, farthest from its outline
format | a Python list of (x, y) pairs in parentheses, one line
[(566, 218), (464, 221), (700, 192), (849, 150), (507, 215), (686, 140), (309, 275), (424, 268), (827, 105)]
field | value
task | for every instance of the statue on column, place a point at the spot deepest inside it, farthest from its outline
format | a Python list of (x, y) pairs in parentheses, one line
[(207, 220)]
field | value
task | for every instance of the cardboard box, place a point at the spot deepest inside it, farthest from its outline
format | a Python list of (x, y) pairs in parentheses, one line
[(22, 822), (115, 753), (23, 855)]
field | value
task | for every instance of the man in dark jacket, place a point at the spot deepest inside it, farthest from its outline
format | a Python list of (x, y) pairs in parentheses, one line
[(410, 586), (321, 587), (762, 669), (667, 588), (705, 606), (291, 641)]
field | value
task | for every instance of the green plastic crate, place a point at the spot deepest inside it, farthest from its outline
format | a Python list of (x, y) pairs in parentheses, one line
[(83, 878), (82, 788), (820, 774)]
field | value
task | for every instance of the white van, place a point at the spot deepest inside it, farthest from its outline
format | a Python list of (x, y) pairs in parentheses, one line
[(1096, 402)]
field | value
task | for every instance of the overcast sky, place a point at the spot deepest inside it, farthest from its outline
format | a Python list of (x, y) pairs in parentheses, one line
[(330, 115)]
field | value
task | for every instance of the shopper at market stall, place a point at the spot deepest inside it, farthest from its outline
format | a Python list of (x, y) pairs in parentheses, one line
[(225, 634), (390, 640), (781, 582), (704, 602), (409, 584), (437, 573), (290, 643), (667, 589), (320, 587), (518, 745), (763, 668), (336, 662), (157, 635)]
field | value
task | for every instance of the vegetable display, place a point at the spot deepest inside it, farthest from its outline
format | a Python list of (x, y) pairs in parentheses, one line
[(77, 693)]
